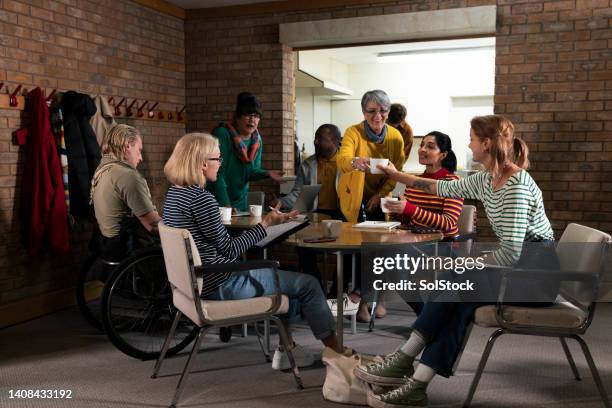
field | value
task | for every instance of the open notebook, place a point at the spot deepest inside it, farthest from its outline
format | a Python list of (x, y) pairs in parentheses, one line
[(378, 224)]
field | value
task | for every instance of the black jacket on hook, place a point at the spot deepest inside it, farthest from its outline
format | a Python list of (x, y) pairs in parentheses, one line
[(82, 148)]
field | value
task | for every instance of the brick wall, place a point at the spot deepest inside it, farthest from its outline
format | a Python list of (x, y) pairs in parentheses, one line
[(109, 47), (553, 79)]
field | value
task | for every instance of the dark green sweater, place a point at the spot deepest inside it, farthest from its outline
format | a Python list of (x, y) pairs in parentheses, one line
[(232, 185)]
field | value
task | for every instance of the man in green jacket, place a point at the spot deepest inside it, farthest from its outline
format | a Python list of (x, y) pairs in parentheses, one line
[(241, 146)]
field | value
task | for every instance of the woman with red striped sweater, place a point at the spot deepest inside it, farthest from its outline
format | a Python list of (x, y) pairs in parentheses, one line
[(426, 210)]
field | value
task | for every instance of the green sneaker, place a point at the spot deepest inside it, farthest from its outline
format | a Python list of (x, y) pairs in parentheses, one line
[(390, 371), (411, 394)]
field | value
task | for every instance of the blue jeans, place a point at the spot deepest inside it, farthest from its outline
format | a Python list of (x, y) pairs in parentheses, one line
[(299, 287)]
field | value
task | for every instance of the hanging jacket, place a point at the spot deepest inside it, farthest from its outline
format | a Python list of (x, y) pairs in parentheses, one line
[(44, 217), (57, 127), (103, 118), (82, 148)]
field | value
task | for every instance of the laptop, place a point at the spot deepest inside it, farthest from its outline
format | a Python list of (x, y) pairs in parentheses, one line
[(305, 201)]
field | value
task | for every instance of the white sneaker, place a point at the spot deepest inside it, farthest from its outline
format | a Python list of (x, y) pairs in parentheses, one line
[(349, 307), (303, 358)]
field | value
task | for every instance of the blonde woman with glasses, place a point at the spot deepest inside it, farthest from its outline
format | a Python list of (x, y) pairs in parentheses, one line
[(194, 162)]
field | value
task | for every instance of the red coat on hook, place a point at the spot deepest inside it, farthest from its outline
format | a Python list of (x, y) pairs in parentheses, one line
[(43, 208)]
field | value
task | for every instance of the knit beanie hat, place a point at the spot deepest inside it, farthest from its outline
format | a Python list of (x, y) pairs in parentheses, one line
[(247, 103)]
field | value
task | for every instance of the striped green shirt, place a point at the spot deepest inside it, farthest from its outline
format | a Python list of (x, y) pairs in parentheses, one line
[(515, 211)]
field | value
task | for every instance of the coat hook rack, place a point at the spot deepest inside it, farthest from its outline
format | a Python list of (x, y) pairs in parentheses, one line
[(48, 98), (179, 114), (13, 98), (128, 110), (151, 114), (140, 113), (118, 107)]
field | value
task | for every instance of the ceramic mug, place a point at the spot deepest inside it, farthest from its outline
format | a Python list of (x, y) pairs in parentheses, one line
[(226, 214), (384, 200), (332, 228), (376, 162)]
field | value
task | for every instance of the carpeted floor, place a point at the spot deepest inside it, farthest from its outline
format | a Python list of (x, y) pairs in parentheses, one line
[(61, 352)]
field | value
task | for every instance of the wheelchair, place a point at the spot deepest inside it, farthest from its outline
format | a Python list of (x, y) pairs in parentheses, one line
[(130, 300)]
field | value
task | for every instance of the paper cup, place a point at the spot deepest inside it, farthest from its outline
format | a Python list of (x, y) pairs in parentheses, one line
[(226, 214), (384, 200), (255, 210), (375, 162)]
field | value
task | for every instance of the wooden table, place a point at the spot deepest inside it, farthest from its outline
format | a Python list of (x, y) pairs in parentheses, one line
[(350, 242)]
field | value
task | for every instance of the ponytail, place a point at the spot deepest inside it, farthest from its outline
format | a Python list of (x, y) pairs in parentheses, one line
[(450, 161), (521, 153)]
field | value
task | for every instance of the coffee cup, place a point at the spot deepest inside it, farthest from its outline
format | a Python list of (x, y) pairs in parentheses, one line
[(332, 228), (226, 214), (255, 210), (375, 162), (384, 200)]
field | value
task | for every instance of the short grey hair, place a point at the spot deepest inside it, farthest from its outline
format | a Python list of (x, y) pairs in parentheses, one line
[(378, 96)]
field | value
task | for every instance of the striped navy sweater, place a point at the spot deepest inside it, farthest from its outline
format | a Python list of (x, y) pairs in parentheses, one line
[(196, 210), (515, 211)]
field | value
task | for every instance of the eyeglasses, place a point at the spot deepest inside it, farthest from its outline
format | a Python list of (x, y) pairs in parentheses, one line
[(252, 116), (373, 112), (219, 159)]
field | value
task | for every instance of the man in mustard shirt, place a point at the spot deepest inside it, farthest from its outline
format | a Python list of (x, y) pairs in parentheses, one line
[(372, 138), (321, 168)]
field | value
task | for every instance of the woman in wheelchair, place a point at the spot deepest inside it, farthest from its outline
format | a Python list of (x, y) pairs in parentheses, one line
[(514, 206), (196, 160), (120, 195)]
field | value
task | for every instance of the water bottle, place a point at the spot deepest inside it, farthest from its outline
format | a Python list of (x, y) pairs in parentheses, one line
[(363, 213)]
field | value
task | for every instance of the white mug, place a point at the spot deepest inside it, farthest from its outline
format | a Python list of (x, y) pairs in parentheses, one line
[(384, 200), (226, 214), (255, 210), (376, 162), (332, 228)]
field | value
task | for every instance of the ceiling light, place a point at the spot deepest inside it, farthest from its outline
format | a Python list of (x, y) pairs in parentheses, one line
[(385, 57)]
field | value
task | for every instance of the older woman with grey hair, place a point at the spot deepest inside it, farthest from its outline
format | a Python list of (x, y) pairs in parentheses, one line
[(358, 187)]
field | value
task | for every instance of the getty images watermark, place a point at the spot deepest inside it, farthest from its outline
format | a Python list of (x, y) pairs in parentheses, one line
[(410, 264), (461, 272)]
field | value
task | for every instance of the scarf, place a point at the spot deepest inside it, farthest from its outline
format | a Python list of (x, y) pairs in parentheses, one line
[(373, 136), (240, 147)]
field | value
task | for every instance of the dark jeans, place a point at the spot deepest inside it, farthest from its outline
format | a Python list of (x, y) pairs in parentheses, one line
[(444, 324)]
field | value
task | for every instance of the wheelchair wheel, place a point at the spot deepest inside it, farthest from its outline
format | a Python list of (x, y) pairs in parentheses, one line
[(138, 310), (90, 284)]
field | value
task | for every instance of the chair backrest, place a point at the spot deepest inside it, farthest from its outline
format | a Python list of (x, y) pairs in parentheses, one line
[(467, 219), (581, 249), (256, 198), (180, 264)]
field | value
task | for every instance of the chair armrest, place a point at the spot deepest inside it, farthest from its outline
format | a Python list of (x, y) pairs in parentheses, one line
[(246, 266), (236, 266)]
